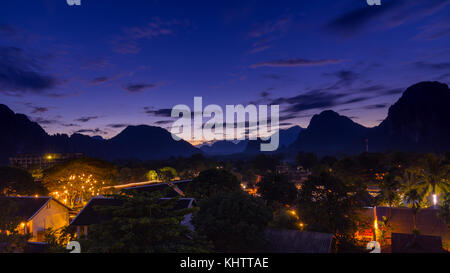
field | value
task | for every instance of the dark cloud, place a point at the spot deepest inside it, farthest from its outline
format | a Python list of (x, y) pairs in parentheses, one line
[(86, 119), (91, 131), (159, 122), (391, 13), (135, 88), (376, 106), (128, 42), (21, 73), (316, 99), (345, 77), (432, 66), (117, 125), (165, 112), (44, 121), (99, 80), (8, 30), (70, 125), (296, 63), (272, 76)]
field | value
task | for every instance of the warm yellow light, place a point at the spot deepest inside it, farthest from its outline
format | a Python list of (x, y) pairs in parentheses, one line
[(22, 224), (49, 157), (375, 224)]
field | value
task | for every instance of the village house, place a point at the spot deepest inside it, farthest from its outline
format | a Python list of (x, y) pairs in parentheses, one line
[(38, 214)]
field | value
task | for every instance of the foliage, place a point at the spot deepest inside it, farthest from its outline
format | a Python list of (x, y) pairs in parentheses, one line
[(275, 188), (167, 174), (264, 163), (434, 175), (152, 175), (143, 224), (414, 198), (11, 239), (76, 181), (444, 210), (57, 239), (17, 181), (307, 160), (327, 204), (284, 218), (233, 221), (212, 181)]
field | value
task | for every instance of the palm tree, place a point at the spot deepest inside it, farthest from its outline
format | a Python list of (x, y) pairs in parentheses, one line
[(434, 178), (413, 198), (389, 192)]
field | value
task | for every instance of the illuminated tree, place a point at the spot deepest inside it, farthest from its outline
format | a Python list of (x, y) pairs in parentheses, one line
[(152, 175), (435, 176), (167, 174), (76, 182)]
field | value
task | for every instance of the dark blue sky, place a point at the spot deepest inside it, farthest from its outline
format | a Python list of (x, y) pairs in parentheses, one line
[(98, 67)]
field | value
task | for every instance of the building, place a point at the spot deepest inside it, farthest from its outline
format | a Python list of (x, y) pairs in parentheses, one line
[(428, 223), (38, 214), (296, 241), (175, 188), (89, 215), (409, 243), (33, 161)]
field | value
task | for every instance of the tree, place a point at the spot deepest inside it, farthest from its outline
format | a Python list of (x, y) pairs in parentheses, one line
[(152, 175), (143, 224), (389, 194), (444, 210), (233, 221), (434, 177), (167, 174), (307, 160), (15, 181), (11, 239), (212, 181), (275, 188), (327, 204), (77, 181), (413, 198), (263, 163)]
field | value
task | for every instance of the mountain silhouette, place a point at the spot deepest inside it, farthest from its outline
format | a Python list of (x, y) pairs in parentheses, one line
[(20, 135), (331, 133), (417, 122)]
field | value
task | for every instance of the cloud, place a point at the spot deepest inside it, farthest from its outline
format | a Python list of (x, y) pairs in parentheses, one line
[(99, 80), (44, 121), (117, 125), (136, 88), (296, 63), (128, 42), (165, 112), (91, 131), (345, 77), (432, 66), (70, 125), (390, 14), (21, 74), (159, 122), (86, 119), (376, 106)]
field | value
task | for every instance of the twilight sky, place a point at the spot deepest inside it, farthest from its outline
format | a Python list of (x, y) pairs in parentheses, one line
[(101, 66)]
